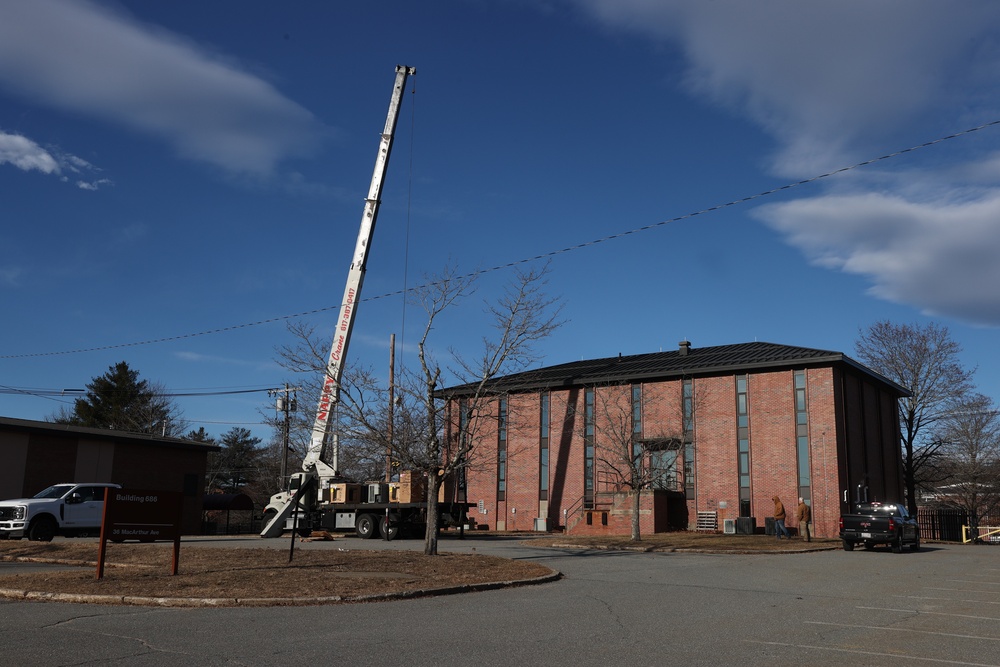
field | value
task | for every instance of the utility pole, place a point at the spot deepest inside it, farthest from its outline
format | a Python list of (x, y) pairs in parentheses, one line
[(285, 404), (392, 389)]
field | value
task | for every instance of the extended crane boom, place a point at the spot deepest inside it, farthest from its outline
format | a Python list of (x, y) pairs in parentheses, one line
[(312, 465)]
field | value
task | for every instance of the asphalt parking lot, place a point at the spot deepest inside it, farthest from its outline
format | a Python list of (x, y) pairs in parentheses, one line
[(940, 605)]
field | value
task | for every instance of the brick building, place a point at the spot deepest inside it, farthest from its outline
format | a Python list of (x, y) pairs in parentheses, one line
[(38, 454), (710, 435)]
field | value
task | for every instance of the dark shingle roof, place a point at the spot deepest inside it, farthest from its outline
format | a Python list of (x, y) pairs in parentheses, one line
[(31, 426), (673, 364)]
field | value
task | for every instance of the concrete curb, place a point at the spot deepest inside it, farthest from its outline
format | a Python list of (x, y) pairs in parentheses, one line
[(690, 550), (79, 598)]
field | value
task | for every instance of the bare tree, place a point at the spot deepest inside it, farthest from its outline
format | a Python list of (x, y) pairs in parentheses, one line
[(522, 316), (970, 437), (632, 453), (924, 360), (611, 432)]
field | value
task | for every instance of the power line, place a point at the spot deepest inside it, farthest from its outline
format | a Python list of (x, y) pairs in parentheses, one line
[(80, 392), (528, 260)]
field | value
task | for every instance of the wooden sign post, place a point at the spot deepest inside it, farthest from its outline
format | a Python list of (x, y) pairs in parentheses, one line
[(147, 516)]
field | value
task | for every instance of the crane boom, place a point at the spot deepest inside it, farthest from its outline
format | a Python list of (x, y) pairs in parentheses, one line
[(330, 393), (312, 465)]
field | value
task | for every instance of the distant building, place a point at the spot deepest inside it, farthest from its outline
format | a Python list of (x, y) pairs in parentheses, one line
[(38, 454), (719, 432)]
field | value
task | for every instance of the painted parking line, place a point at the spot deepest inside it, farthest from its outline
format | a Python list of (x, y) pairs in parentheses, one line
[(877, 654), (899, 629), (932, 613), (958, 590), (938, 599)]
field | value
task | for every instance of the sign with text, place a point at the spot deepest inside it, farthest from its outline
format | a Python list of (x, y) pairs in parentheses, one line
[(147, 516), (133, 514)]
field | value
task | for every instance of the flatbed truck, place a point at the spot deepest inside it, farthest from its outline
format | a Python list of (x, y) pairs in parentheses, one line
[(370, 510)]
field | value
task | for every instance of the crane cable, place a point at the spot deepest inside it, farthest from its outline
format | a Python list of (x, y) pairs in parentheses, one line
[(409, 210)]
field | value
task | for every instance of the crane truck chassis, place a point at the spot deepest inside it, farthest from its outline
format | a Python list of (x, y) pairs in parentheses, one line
[(376, 509)]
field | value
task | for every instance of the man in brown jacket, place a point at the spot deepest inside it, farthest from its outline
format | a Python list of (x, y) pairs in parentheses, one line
[(804, 516), (779, 519)]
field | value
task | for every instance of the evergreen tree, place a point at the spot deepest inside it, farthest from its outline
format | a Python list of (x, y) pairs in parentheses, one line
[(121, 400), (201, 435), (239, 459)]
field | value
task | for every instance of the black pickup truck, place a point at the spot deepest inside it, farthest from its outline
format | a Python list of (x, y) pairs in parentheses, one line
[(880, 523)]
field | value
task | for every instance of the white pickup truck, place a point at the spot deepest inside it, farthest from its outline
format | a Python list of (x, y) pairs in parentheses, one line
[(61, 509)]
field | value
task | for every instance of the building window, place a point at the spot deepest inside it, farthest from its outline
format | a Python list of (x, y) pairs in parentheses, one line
[(543, 447), (743, 442), (688, 418), (463, 440), (802, 434), (663, 464), (588, 447), (637, 453), (502, 450)]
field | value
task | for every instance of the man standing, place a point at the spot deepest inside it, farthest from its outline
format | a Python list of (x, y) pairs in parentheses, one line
[(804, 515), (779, 518)]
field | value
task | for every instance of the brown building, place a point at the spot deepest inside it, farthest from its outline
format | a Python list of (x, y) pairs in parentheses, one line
[(710, 435), (38, 454)]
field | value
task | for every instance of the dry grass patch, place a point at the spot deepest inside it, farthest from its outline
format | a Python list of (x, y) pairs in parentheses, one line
[(143, 570)]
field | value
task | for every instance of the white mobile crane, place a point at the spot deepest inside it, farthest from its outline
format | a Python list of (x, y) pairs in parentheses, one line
[(315, 473)]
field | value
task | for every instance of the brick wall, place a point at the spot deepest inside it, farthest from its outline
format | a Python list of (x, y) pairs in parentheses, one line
[(833, 431)]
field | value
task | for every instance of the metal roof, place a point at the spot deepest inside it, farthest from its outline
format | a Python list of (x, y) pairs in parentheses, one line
[(686, 361), (31, 426)]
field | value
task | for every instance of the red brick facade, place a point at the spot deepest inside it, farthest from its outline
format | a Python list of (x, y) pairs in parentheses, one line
[(847, 428)]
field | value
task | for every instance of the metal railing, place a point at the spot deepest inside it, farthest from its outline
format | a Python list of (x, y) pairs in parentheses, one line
[(950, 524)]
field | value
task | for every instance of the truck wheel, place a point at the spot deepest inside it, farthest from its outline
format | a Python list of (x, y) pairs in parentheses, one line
[(388, 532), (915, 546), (848, 545), (897, 545), (366, 527), (42, 529)]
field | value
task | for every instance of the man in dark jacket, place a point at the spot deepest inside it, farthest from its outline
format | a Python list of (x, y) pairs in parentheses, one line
[(779, 519)]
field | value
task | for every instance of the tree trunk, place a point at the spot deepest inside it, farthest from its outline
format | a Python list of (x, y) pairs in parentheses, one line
[(909, 479), (431, 536), (636, 497)]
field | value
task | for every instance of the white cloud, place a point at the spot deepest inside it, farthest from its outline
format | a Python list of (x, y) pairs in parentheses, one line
[(78, 56), (940, 255), (834, 83), (94, 185), (827, 79), (26, 155)]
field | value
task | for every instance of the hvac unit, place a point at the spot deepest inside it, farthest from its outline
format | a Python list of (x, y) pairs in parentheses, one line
[(729, 526), (378, 493), (746, 525)]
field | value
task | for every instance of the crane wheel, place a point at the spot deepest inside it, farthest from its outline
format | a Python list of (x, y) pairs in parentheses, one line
[(387, 529), (366, 526)]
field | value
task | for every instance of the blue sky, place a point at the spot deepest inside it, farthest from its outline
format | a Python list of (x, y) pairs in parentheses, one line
[(173, 169)]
